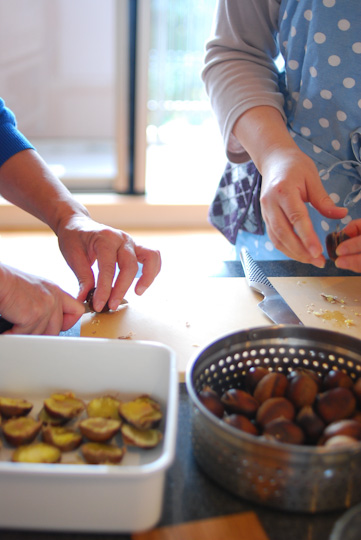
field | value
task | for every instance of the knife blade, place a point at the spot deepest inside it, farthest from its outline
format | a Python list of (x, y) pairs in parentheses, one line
[(273, 305)]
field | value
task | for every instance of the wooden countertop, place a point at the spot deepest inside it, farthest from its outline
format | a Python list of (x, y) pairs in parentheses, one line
[(189, 313)]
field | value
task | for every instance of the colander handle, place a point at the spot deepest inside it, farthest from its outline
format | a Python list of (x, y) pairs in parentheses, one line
[(256, 278)]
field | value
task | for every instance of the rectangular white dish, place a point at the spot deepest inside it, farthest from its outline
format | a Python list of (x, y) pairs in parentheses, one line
[(71, 497)]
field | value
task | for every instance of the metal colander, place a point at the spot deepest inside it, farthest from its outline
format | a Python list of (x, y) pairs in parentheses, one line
[(289, 477)]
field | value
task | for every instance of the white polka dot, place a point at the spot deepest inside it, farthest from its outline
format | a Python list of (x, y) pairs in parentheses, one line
[(308, 15), (296, 95), (285, 15), (313, 71), (343, 24), (326, 94), (293, 64), (336, 144), (325, 226), (349, 82), (324, 175), (334, 60), (319, 37), (306, 132), (307, 104), (269, 246), (359, 103), (346, 220), (317, 149), (293, 31), (341, 116), (356, 47), (329, 3), (324, 122), (335, 197)]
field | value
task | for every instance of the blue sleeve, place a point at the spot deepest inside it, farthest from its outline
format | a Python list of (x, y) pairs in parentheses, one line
[(11, 140)]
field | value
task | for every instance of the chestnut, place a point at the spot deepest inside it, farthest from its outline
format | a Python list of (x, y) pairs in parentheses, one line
[(254, 375), (336, 404), (273, 408), (335, 378), (240, 402), (357, 390), (348, 427), (284, 431), (273, 384), (302, 389), (340, 441), (311, 424), (332, 241), (242, 423), (210, 399)]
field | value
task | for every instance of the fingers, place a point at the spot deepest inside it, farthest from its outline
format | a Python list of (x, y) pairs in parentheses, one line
[(152, 263), (288, 187), (349, 252), (290, 230), (84, 242)]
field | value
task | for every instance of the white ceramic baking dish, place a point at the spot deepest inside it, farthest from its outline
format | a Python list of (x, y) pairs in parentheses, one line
[(77, 497)]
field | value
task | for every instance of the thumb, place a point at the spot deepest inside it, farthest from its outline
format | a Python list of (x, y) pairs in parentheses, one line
[(324, 204)]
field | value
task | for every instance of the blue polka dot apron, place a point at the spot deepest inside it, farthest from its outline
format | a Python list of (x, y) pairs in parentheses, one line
[(320, 41)]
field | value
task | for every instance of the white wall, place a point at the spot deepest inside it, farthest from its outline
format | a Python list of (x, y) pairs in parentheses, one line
[(57, 66)]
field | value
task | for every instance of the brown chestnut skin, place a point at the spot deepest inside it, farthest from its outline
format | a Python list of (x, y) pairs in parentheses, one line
[(341, 441), (254, 375), (210, 399), (273, 408), (302, 390), (332, 241), (357, 390), (336, 404), (240, 402), (348, 427), (336, 378), (312, 425), (284, 431), (357, 416), (273, 384), (242, 423)]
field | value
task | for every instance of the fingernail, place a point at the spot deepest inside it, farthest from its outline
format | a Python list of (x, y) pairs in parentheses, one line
[(319, 264), (141, 289), (114, 304)]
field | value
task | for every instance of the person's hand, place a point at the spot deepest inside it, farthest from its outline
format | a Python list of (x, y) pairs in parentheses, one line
[(35, 305), (289, 180), (83, 241), (349, 251)]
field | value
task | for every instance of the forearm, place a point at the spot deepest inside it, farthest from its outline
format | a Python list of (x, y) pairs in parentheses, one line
[(27, 182), (263, 134)]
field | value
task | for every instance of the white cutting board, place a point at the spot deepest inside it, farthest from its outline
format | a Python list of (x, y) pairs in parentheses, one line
[(189, 313)]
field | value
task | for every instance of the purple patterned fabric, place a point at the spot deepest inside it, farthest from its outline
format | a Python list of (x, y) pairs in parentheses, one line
[(236, 203)]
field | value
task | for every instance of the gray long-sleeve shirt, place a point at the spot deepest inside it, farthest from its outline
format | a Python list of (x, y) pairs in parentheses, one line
[(240, 70)]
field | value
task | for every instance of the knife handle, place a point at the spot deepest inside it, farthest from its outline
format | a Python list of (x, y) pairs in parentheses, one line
[(4, 325), (256, 278)]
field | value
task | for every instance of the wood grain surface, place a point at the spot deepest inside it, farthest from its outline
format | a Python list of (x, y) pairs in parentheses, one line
[(245, 526), (188, 315)]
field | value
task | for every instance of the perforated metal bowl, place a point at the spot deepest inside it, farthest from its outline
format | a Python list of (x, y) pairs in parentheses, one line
[(288, 477)]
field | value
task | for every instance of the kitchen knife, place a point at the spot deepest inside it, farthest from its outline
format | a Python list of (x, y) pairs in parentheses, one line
[(273, 305)]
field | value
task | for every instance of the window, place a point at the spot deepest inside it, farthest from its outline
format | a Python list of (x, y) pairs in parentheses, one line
[(109, 92)]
